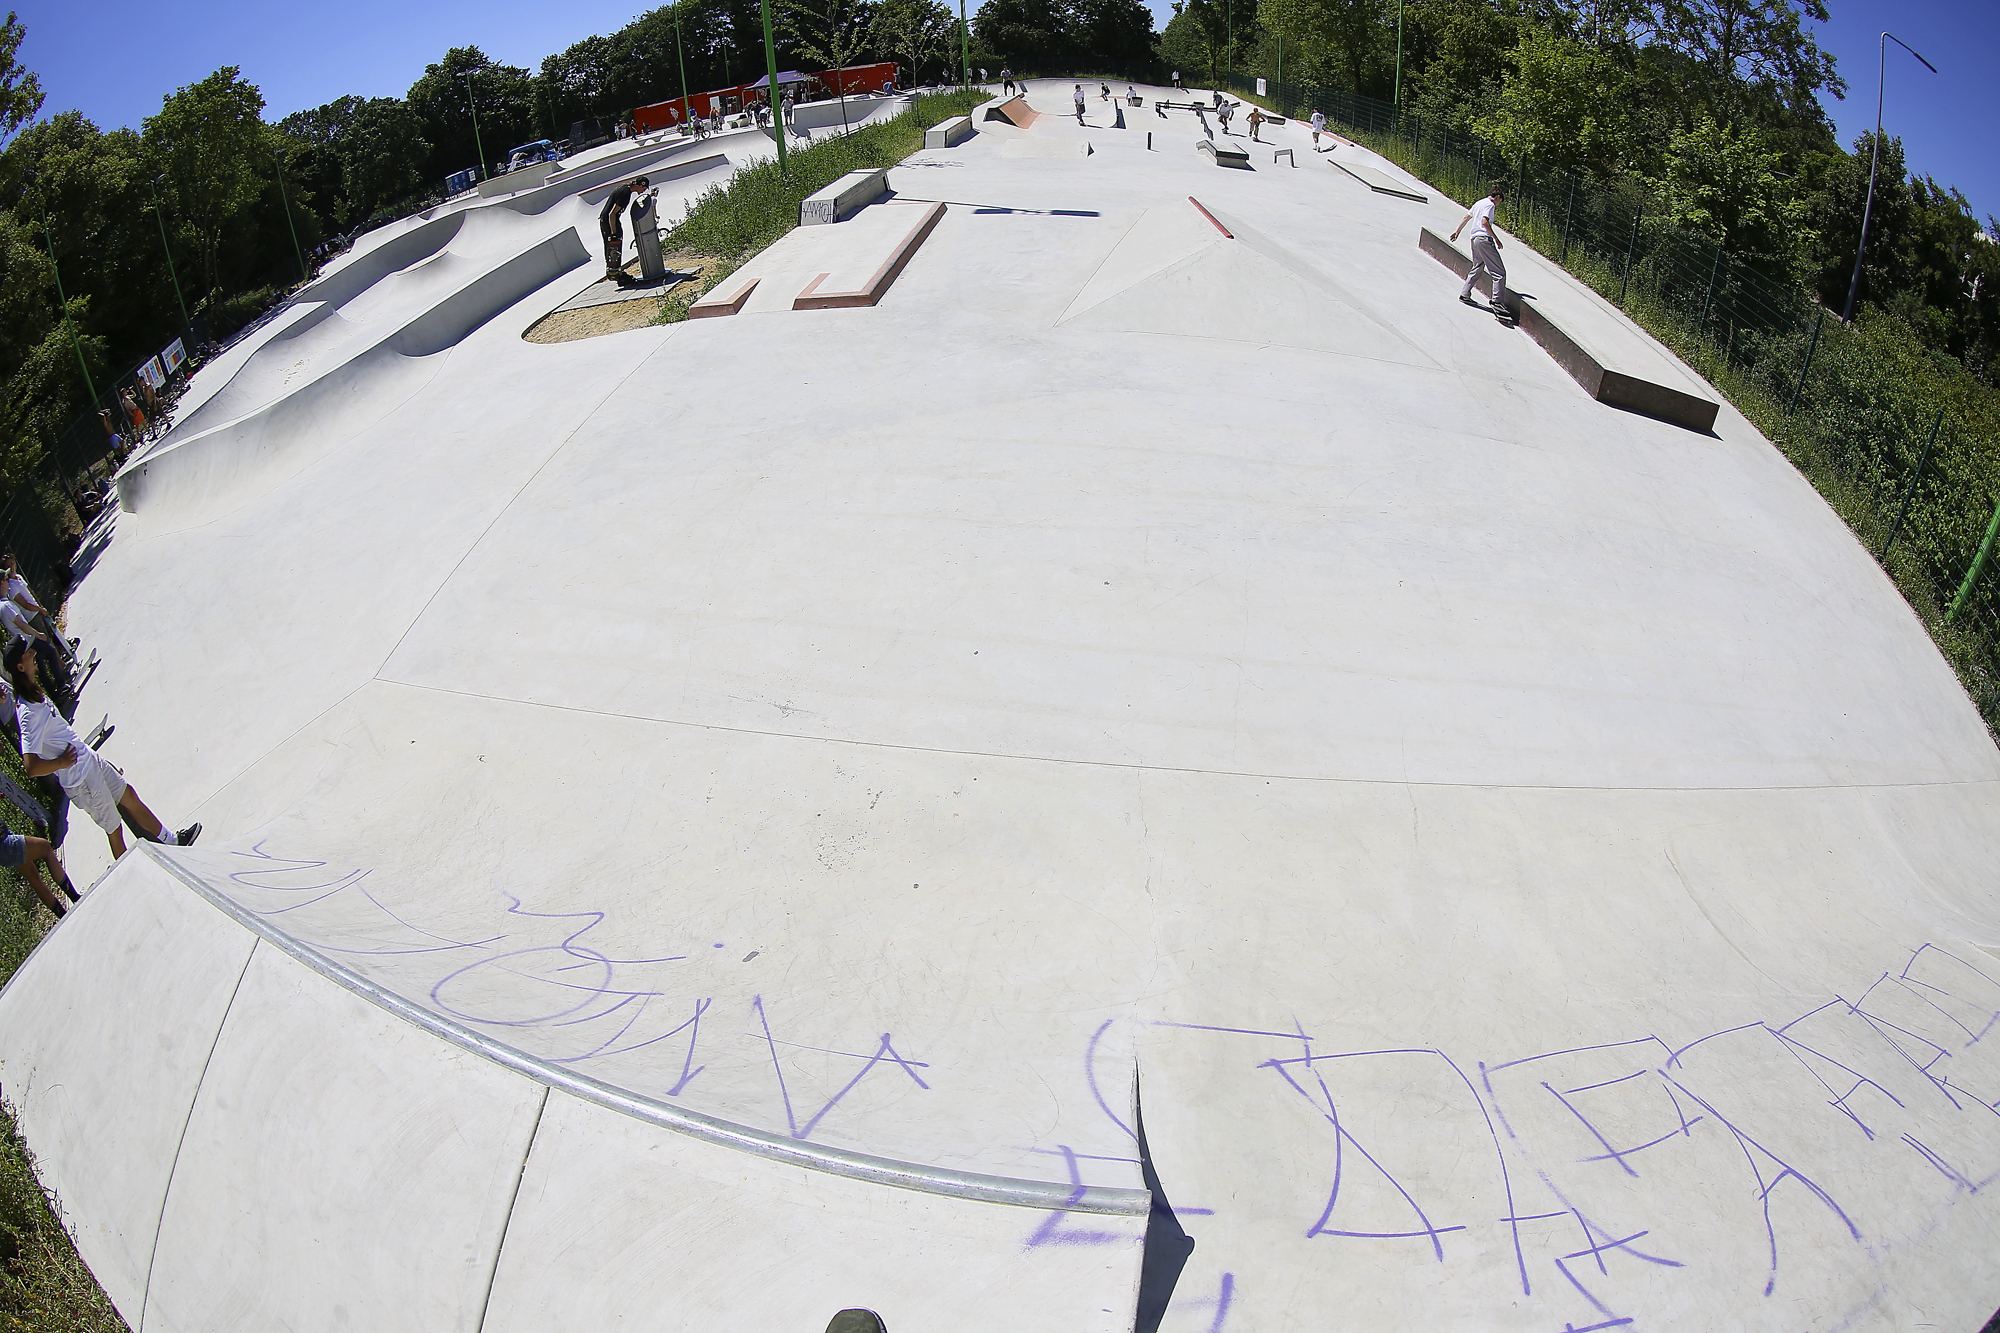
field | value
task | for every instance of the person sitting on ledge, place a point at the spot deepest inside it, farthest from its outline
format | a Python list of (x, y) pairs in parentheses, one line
[(49, 746)]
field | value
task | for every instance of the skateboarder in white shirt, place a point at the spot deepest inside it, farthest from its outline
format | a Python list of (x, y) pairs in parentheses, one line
[(1078, 96), (1485, 246), (1319, 127)]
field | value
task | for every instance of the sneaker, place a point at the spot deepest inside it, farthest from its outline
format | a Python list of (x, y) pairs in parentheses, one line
[(186, 837), (1466, 300)]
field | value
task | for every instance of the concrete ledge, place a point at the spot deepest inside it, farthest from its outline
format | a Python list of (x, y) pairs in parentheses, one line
[(1614, 387), (843, 197), (1378, 181), (869, 292), (716, 304), (1225, 154), (1285, 153), (947, 133)]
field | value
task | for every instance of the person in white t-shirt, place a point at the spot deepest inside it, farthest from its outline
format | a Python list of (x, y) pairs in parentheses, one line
[(19, 593), (1077, 97), (19, 628), (91, 783), (1485, 246), (1319, 127)]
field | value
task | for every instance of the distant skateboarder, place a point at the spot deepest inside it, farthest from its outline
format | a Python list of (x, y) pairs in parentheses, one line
[(1177, 80), (1007, 82), (1079, 103), (1256, 122), (1485, 246), (608, 222), (1319, 127)]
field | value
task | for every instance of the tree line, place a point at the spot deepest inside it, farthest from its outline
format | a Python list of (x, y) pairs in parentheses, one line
[(1711, 108)]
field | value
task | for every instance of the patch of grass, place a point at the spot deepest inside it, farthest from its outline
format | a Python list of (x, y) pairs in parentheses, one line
[(45, 1287), (736, 219)]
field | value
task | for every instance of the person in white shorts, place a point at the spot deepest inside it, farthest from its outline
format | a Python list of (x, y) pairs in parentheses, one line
[(1485, 246), (49, 746)]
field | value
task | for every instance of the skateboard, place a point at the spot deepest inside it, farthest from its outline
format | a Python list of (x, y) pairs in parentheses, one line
[(1500, 312)]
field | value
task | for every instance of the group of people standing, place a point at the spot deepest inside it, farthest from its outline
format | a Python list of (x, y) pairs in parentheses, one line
[(37, 707)]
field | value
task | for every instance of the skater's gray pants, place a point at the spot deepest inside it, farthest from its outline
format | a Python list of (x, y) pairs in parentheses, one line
[(1486, 259)]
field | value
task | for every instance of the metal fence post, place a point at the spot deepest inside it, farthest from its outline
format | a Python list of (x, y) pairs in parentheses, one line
[(1806, 369), (1909, 491), (1569, 211), (1631, 248), (1978, 565)]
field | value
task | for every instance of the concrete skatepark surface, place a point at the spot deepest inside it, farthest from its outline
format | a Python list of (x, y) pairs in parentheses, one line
[(724, 822)]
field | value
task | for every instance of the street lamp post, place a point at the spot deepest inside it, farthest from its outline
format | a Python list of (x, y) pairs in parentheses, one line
[(74, 341), (964, 45), (160, 217), (687, 107), (1874, 156), (285, 197), (771, 72), (1399, 55), (473, 106)]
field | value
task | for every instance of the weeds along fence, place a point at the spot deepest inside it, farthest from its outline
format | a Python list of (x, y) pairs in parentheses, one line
[(1900, 441)]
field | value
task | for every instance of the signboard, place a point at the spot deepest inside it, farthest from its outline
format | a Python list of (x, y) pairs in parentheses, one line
[(173, 356), (151, 373), (1260, 89)]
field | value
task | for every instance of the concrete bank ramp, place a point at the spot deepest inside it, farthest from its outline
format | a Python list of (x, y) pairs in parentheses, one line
[(1176, 272), (198, 476), (417, 1184)]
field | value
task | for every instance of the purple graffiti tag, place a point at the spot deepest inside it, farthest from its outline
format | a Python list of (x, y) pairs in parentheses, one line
[(1330, 1110), (1053, 1232), (1223, 1297), (884, 1052), (1799, 1051), (1090, 1076), (1765, 1187)]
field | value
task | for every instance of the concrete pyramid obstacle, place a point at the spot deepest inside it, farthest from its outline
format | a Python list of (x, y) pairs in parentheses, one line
[(1167, 276)]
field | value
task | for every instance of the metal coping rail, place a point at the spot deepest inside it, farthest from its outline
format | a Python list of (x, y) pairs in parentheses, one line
[(1038, 1194)]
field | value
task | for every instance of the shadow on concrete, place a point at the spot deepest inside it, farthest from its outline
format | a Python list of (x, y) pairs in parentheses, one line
[(1167, 1245)]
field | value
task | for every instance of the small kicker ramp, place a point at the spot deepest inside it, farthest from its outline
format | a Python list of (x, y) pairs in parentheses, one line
[(1613, 363), (1381, 182), (1014, 111)]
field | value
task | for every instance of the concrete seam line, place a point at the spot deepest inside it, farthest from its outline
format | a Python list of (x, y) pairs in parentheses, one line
[(507, 1222), (159, 1224), (1025, 758), (1039, 1194)]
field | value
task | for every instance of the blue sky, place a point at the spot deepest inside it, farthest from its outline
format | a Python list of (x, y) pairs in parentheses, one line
[(114, 59)]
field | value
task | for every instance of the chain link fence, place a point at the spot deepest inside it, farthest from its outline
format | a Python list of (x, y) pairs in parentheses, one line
[(1899, 440)]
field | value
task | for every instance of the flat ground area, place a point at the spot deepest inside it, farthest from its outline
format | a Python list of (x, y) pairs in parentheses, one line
[(1167, 659)]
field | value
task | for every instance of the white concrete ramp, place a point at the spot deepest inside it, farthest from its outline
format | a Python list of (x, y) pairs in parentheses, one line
[(723, 822)]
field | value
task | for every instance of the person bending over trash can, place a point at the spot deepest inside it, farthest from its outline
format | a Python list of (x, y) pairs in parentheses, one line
[(614, 234)]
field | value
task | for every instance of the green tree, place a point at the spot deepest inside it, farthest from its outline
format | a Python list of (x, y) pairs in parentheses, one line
[(1347, 41), (20, 90), (1184, 46), (1723, 182), (830, 33), (1563, 104), (1119, 32), (207, 145), (1022, 34), (443, 100), (912, 31)]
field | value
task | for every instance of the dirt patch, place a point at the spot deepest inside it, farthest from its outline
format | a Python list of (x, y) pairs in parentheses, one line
[(622, 316)]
